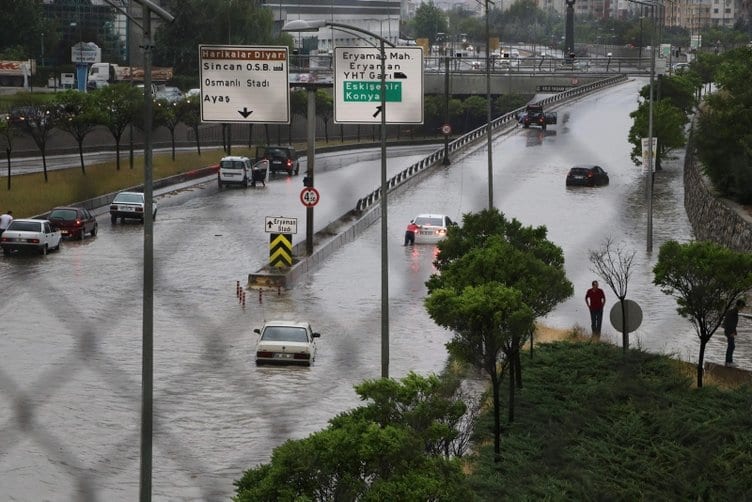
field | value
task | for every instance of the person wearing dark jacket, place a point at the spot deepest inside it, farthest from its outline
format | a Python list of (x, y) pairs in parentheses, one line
[(729, 329)]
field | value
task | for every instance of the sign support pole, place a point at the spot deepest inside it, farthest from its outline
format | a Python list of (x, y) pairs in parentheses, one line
[(310, 164)]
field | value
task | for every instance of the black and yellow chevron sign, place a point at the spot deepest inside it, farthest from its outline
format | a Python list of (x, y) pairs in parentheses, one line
[(280, 250)]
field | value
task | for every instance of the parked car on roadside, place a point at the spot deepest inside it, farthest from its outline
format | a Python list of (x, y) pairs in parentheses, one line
[(288, 342), (431, 228), (589, 175), (74, 221), (31, 235), (281, 158), (130, 205)]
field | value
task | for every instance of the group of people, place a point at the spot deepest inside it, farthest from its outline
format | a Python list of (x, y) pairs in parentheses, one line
[(5, 220), (595, 299)]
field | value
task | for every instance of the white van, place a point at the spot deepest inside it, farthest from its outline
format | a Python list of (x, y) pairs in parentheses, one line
[(236, 170)]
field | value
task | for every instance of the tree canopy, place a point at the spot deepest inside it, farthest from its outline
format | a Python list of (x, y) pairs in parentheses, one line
[(389, 449), (706, 279)]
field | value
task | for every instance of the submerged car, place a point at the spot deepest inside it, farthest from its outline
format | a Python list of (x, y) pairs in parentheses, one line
[(74, 221), (589, 176), (431, 227), (130, 205), (287, 342), (30, 235)]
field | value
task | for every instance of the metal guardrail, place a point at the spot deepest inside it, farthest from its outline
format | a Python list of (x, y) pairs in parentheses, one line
[(475, 135)]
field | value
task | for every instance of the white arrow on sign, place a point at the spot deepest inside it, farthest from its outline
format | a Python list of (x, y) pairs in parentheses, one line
[(280, 225), (244, 84), (357, 84)]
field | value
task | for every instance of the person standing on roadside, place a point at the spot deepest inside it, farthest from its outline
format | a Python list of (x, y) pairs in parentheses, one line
[(595, 299), (729, 329), (5, 220)]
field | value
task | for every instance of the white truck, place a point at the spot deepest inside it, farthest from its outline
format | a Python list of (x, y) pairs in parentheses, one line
[(17, 73), (103, 74)]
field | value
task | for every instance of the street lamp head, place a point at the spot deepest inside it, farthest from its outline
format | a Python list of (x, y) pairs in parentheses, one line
[(298, 25)]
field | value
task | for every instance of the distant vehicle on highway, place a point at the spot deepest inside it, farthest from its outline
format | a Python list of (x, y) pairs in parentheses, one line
[(30, 235), (589, 175)]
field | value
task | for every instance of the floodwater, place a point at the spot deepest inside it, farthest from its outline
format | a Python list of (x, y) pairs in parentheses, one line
[(71, 333)]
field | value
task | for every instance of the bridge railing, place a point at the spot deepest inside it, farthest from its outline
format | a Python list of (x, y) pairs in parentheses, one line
[(470, 138)]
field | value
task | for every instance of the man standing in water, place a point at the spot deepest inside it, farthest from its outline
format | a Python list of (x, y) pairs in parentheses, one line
[(595, 299)]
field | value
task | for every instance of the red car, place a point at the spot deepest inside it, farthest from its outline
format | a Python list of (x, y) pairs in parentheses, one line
[(74, 222)]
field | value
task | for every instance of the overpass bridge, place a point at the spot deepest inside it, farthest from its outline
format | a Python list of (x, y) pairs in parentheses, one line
[(525, 75)]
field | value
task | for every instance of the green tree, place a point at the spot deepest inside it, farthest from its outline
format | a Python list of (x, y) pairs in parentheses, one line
[(486, 320), (8, 132), (119, 105), (78, 116), (706, 279), (724, 128), (679, 90), (41, 117), (488, 247), (385, 450), (324, 109), (298, 108), (209, 22), (23, 20), (428, 21), (476, 111), (166, 115), (668, 127), (189, 113)]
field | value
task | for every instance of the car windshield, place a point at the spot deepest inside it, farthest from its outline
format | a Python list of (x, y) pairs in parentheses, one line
[(25, 226), (129, 197), (432, 221), (284, 334), (63, 214), (579, 170), (232, 164), (276, 152)]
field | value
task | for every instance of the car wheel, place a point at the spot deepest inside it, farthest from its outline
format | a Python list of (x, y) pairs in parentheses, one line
[(219, 184), (57, 248), (43, 250), (6, 252), (113, 218), (94, 231), (246, 182), (83, 233)]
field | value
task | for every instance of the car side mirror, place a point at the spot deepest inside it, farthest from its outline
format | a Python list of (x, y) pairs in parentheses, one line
[(315, 335), (257, 331)]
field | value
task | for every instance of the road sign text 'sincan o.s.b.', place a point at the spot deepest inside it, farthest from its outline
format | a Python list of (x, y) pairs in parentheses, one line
[(244, 85)]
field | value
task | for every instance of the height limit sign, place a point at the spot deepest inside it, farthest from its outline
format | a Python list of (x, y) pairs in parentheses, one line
[(358, 82)]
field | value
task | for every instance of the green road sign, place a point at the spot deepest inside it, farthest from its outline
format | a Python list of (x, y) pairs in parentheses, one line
[(355, 91)]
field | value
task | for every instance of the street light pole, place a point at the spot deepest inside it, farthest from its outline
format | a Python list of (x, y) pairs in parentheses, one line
[(650, 174), (302, 25), (489, 134)]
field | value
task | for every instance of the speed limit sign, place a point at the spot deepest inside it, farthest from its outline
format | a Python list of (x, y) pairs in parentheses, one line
[(309, 196)]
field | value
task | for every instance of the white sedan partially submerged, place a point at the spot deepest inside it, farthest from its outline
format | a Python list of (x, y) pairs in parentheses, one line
[(30, 235), (431, 228), (286, 342)]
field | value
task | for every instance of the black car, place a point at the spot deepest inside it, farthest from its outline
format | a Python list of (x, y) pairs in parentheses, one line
[(281, 158), (588, 176)]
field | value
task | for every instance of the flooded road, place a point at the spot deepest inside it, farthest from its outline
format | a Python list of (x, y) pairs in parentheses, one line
[(70, 376)]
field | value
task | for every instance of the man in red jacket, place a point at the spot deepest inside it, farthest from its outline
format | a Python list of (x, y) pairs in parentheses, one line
[(410, 233), (595, 299)]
